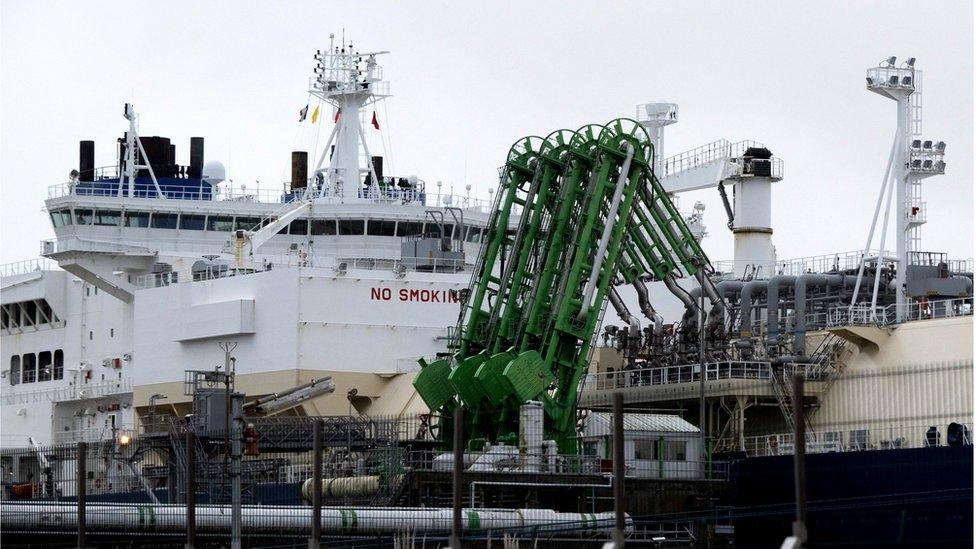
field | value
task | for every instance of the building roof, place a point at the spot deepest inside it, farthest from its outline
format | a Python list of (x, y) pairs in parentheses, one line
[(601, 423)]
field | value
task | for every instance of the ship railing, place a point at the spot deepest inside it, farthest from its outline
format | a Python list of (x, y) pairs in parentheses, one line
[(229, 192), (337, 265), (28, 266), (650, 462), (95, 434), (66, 393), (826, 263), (865, 315), (669, 375), (829, 439)]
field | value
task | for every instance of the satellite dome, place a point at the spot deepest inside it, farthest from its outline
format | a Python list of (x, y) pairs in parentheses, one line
[(213, 172)]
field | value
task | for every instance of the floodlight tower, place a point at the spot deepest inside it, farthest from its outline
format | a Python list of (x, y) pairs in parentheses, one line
[(910, 161), (348, 80)]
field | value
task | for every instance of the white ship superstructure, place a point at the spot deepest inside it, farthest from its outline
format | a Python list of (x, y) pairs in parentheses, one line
[(346, 271)]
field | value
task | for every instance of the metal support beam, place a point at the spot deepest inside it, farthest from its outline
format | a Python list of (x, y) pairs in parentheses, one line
[(799, 462), (82, 482), (619, 471), (191, 490), (317, 433), (456, 481)]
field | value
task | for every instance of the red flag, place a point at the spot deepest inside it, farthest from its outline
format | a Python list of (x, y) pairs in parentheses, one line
[(335, 119), (376, 123)]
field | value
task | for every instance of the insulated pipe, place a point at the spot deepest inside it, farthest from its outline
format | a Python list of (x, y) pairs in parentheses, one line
[(749, 289), (338, 487), (646, 308), (601, 250), (803, 282), (273, 519), (724, 288), (622, 311), (274, 396), (691, 308), (714, 297), (772, 305)]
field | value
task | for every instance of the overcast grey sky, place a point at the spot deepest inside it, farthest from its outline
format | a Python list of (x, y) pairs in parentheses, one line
[(469, 79)]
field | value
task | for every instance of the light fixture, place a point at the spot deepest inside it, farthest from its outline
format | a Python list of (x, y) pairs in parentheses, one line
[(124, 439), (892, 60), (910, 62)]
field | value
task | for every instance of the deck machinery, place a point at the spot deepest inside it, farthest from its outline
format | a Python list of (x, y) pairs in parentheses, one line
[(593, 214)]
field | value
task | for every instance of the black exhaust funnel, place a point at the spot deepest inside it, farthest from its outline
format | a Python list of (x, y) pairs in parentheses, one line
[(86, 161), (196, 158), (299, 169)]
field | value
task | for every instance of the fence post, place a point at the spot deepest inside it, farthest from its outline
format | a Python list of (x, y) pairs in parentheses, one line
[(620, 524), (800, 474), (191, 489), (82, 480), (317, 432), (456, 526)]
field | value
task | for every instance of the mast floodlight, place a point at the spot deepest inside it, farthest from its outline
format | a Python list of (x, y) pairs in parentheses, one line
[(910, 62), (892, 60)]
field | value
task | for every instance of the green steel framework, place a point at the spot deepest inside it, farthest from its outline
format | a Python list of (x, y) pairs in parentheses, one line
[(537, 292)]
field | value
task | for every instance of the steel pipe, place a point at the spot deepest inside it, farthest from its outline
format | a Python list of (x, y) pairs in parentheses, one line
[(601, 249), (270, 519), (803, 282)]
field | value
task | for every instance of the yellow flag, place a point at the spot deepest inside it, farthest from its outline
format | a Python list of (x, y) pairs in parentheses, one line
[(315, 114)]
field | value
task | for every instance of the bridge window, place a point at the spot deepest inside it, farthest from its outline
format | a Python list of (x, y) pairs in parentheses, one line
[(351, 226), (410, 228), (298, 227), (14, 375), (59, 364), (44, 372), (137, 219), (474, 235), (109, 218), (164, 220), (246, 223), (380, 227), (30, 367), (220, 223), (325, 227), (60, 218), (193, 222), (83, 217)]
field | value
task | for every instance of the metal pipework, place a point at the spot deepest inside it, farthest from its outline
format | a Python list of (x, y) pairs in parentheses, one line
[(289, 520), (772, 305), (601, 249), (691, 308), (622, 311), (294, 396), (749, 290), (803, 282), (647, 309), (338, 487), (724, 289)]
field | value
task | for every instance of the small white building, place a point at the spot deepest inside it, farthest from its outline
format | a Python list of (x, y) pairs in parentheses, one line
[(655, 445)]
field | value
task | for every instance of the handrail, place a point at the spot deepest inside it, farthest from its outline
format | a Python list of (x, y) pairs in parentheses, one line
[(688, 373), (829, 439), (28, 265)]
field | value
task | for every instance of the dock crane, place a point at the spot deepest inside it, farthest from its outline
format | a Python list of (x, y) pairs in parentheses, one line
[(593, 214)]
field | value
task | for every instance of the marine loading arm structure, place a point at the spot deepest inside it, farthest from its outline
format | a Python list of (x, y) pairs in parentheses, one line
[(592, 214)]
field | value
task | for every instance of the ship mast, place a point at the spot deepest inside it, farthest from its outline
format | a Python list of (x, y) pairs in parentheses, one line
[(348, 80)]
